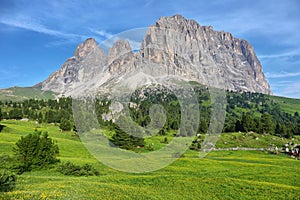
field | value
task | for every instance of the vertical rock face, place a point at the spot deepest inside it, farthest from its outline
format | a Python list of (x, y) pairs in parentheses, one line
[(87, 62), (85, 48), (120, 57), (202, 54), (175, 47)]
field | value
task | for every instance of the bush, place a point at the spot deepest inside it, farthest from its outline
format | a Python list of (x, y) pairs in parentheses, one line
[(7, 180), (70, 169), (9, 163), (65, 125), (35, 151)]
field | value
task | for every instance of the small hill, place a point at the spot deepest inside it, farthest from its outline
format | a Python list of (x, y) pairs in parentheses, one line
[(23, 93), (287, 104)]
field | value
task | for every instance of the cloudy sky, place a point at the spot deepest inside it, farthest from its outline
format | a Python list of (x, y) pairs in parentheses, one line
[(36, 37)]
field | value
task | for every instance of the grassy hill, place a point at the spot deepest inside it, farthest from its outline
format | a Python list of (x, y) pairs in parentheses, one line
[(23, 93), (220, 175), (287, 104)]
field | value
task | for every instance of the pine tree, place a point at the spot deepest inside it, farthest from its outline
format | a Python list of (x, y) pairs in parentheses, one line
[(40, 118), (203, 126), (126, 141), (35, 151), (238, 126), (247, 123), (267, 123)]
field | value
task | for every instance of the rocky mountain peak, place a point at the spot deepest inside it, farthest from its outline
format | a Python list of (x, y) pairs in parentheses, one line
[(173, 47), (119, 48), (85, 48), (176, 22), (181, 43)]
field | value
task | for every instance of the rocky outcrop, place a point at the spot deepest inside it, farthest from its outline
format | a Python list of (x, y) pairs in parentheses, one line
[(199, 53), (173, 47), (87, 62)]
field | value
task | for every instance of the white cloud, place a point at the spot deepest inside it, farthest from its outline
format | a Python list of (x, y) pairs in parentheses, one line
[(36, 27), (103, 33), (289, 90), (110, 39), (280, 55), (279, 21), (281, 74)]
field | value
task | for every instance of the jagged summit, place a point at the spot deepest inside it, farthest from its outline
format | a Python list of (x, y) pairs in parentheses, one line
[(176, 21), (85, 48), (173, 47), (119, 48)]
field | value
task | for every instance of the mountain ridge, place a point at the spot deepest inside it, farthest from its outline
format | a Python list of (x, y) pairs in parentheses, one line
[(173, 47)]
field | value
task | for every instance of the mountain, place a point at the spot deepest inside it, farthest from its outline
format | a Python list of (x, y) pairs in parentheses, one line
[(173, 48)]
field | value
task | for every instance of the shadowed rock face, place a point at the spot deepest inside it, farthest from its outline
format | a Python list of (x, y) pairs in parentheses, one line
[(173, 47)]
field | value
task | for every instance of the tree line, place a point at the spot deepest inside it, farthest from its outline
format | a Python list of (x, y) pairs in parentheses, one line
[(244, 112), (43, 111)]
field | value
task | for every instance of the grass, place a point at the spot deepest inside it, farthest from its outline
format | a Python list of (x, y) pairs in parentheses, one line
[(253, 140), (220, 175), (23, 93), (287, 104)]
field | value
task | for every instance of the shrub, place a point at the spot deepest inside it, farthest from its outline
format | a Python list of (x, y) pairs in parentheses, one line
[(35, 151), (70, 169), (7, 180), (8, 162), (65, 125)]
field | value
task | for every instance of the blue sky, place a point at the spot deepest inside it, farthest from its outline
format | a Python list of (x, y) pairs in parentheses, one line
[(36, 37)]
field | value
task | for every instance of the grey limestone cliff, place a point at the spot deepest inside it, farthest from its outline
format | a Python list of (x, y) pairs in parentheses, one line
[(173, 47)]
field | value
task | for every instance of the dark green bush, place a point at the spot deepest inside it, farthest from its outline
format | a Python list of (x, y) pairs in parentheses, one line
[(35, 151), (70, 169), (7, 180), (9, 163), (65, 125), (6, 162)]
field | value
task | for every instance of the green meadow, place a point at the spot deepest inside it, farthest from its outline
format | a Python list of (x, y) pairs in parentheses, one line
[(220, 175), (23, 93)]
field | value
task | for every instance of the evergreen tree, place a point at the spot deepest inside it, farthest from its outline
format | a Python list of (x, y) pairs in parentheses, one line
[(65, 125), (40, 118), (15, 113), (52, 116), (64, 114), (203, 126), (267, 123), (4, 115), (282, 131), (126, 141), (35, 150), (49, 118), (258, 125), (247, 123), (238, 126)]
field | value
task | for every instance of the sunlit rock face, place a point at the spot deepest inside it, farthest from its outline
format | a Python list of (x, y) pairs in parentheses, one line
[(174, 47)]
